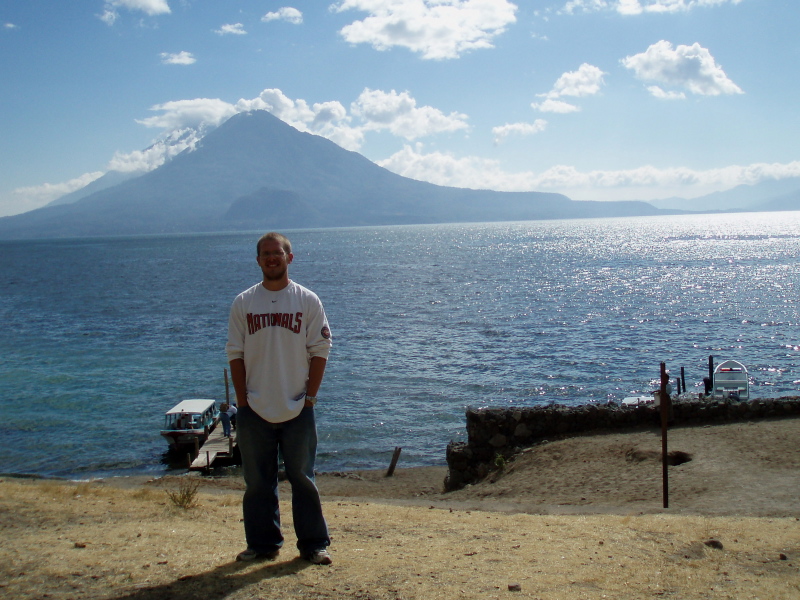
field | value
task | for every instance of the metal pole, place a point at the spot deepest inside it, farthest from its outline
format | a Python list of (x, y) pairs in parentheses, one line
[(683, 380), (227, 392), (664, 403)]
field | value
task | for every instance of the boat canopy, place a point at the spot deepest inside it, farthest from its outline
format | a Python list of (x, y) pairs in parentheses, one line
[(196, 414), (731, 381), (197, 406)]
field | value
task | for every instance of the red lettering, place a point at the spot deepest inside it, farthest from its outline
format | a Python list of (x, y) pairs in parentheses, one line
[(298, 320)]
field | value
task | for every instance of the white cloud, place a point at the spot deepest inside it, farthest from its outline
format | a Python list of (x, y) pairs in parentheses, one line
[(328, 119), (399, 114), (32, 197), (287, 13), (151, 8), (638, 7), (646, 182), (200, 113), (181, 58), (184, 122), (168, 146), (503, 131), (376, 110), (664, 95), (436, 29), (10, 26), (231, 29), (586, 81), (574, 6), (555, 106), (690, 67)]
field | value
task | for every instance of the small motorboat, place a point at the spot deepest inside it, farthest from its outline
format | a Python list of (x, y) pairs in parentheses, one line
[(652, 400), (189, 422), (731, 381)]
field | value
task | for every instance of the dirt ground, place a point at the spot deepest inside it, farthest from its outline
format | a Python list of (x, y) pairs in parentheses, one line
[(575, 518)]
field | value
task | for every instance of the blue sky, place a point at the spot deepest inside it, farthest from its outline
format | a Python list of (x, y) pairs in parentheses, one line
[(597, 99)]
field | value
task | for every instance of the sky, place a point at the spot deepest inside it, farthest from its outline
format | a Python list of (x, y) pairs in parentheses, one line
[(596, 99)]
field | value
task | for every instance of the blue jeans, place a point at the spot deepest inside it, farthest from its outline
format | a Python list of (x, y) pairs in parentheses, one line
[(259, 442), (225, 419)]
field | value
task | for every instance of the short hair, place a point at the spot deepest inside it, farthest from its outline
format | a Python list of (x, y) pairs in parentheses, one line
[(278, 237)]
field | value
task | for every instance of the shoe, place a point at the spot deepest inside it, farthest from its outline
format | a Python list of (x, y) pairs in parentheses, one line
[(250, 554), (319, 557)]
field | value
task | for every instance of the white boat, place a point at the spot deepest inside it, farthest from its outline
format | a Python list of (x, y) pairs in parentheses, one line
[(189, 422), (652, 400), (731, 381)]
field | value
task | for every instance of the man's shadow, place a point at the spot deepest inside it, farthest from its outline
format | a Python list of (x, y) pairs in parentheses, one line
[(217, 583)]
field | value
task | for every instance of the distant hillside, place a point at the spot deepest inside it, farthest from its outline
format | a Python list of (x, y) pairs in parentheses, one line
[(790, 201), (108, 180), (743, 197), (257, 172)]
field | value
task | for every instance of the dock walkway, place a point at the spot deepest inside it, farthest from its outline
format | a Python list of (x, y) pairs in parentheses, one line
[(216, 446)]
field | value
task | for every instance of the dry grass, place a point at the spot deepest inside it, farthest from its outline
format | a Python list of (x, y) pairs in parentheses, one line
[(62, 540)]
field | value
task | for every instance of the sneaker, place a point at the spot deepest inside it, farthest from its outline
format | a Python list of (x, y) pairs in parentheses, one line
[(319, 557), (250, 554)]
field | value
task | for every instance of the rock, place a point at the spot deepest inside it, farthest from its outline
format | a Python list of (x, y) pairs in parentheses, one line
[(498, 440), (716, 544), (514, 587)]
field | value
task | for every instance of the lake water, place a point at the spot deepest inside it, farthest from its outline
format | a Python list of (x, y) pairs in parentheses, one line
[(101, 336)]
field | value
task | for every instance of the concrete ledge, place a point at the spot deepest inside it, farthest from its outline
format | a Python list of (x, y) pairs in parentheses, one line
[(493, 432)]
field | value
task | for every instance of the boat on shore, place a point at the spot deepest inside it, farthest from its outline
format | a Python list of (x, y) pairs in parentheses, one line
[(188, 423), (731, 381)]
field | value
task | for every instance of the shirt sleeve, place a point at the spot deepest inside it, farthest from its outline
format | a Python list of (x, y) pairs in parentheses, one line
[(236, 324), (318, 333)]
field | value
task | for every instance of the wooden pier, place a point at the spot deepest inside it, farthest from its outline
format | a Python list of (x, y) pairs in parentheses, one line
[(216, 447)]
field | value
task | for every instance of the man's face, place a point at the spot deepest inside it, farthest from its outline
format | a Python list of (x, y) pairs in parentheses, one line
[(273, 260)]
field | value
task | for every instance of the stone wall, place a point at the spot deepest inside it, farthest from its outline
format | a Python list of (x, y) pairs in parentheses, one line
[(493, 432)]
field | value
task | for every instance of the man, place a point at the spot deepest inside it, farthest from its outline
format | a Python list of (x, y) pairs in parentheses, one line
[(278, 344)]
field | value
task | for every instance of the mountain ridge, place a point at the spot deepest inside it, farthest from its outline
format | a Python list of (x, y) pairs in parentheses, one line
[(255, 171)]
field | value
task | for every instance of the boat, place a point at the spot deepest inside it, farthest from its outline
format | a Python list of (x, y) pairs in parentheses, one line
[(188, 423), (731, 381), (651, 400)]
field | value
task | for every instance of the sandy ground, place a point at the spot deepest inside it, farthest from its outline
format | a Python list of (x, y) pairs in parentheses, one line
[(575, 518)]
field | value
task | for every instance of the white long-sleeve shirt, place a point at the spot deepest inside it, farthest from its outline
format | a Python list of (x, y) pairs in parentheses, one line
[(277, 334)]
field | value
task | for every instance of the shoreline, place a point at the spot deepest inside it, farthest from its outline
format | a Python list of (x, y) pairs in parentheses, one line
[(747, 468)]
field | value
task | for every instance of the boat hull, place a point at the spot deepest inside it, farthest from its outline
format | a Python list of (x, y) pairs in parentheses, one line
[(184, 438)]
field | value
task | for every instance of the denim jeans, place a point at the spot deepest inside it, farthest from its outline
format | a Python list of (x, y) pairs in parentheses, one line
[(225, 419), (259, 442)]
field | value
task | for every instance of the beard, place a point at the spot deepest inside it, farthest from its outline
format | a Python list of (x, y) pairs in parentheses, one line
[(274, 274)]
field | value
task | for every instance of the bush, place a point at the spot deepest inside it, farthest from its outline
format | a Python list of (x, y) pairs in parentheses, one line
[(186, 495)]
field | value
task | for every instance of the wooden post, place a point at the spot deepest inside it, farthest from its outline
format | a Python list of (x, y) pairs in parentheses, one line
[(664, 405), (393, 464), (196, 446), (208, 459), (683, 380), (227, 391)]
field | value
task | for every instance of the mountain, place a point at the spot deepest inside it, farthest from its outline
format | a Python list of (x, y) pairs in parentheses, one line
[(108, 180), (256, 172), (743, 197), (790, 201)]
